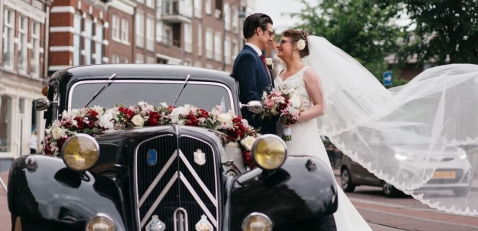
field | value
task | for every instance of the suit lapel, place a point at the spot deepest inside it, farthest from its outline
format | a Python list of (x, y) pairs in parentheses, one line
[(246, 47)]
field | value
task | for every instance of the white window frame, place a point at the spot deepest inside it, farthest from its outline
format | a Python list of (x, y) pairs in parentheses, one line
[(77, 24), (141, 1), (22, 49), (209, 44), (227, 50), (217, 46), (115, 27), (199, 40), (208, 7), (168, 40), (227, 17), (159, 31), (99, 35), (35, 50), (88, 40), (188, 37), (9, 24), (235, 20), (150, 32), (150, 3), (139, 29), (198, 8), (234, 49), (124, 31), (139, 58), (115, 59)]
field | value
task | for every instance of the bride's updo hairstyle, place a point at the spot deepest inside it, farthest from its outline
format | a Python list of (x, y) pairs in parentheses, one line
[(296, 36)]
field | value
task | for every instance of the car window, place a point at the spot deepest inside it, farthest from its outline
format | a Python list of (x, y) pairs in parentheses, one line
[(199, 94)]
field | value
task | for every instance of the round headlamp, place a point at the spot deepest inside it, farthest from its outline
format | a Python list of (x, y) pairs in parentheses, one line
[(100, 223), (80, 152), (269, 152), (256, 222)]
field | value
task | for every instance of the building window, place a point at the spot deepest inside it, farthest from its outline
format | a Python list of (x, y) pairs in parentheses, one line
[(99, 44), (139, 58), (199, 40), (168, 36), (115, 27), (5, 123), (159, 7), (235, 20), (77, 59), (115, 59), (198, 8), (227, 17), (159, 31), (88, 40), (217, 46), (235, 49), (150, 33), (8, 39), (197, 64), (142, 1), (209, 43), (150, 3), (227, 51), (124, 31), (208, 7), (22, 44), (139, 24), (124, 60), (35, 54), (188, 38)]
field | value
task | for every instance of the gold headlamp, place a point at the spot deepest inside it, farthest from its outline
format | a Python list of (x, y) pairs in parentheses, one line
[(269, 152), (80, 152)]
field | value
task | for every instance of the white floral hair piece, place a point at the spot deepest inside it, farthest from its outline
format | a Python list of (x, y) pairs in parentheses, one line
[(301, 43)]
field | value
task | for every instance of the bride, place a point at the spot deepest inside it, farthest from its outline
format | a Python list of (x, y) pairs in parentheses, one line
[(306, 137)]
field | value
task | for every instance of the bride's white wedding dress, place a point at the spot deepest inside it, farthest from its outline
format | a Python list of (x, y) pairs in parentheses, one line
[(306, 141)]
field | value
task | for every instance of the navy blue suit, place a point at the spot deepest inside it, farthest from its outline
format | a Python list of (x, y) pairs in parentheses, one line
[(249, 70)]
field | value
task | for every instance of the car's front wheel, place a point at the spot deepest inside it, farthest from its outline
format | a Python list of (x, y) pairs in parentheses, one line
[(346, 181), (390, 190)]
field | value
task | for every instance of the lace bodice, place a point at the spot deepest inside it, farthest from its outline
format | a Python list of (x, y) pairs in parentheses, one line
[(297, 82)]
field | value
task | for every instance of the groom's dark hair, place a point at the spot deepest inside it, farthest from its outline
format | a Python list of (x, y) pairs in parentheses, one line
[(253, 21)]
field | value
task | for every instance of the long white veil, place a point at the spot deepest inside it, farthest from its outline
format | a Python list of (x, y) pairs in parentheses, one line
[(421, 137)]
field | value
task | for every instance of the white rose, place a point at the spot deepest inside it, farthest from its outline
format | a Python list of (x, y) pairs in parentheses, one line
[(178, 112), (163, 104), (301, 44), (57, 133), (295, 102), (98, 109), (105, 120), (248, 142), (269, 61), (137, 120), (225, 118)]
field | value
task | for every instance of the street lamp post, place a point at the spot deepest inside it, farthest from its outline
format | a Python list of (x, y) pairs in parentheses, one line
[(241, 15)]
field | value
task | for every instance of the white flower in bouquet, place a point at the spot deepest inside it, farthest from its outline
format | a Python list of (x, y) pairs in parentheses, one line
[(137, 120), (177, 112), (74, 123), (98, 109), (224, 118), (57, 133), (163, 104), (248, 142), (105, 120), (295, 101)]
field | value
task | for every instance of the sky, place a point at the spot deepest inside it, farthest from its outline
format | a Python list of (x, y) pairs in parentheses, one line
[(274, 8)]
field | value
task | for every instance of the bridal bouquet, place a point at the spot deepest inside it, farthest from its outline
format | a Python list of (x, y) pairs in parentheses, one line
[(284, 103)]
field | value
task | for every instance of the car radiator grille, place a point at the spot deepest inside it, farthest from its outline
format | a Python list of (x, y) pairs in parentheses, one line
[(176, 182)]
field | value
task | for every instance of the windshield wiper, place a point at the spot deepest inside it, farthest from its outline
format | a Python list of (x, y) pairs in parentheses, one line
[(107, 84), (184, 86)]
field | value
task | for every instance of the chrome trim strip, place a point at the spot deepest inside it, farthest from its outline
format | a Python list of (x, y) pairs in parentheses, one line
[(198, 179), (198, 200), (186, 222), (231, 98), (158, 200), (158, 178), (135, 170)]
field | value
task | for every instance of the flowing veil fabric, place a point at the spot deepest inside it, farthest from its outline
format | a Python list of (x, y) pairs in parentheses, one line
[(421, 137)]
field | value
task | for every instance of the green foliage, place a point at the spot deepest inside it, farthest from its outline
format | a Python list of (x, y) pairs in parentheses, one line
[(440, 32), (358, 27)]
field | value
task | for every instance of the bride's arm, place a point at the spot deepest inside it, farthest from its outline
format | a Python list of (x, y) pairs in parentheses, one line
[(312, 85)]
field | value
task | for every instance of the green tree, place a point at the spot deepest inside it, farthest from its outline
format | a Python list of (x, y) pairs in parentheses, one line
[(440, 31), (360, 28)]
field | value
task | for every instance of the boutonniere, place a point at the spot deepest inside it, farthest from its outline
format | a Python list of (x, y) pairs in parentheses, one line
[(269, 62)]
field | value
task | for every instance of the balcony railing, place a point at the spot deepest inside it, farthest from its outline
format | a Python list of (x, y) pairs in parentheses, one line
[(167, 41), (176, 11)]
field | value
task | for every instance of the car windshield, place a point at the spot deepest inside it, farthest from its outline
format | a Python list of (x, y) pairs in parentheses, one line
[(200, 94)]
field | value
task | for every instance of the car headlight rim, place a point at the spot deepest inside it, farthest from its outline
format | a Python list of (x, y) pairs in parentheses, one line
[(78, 137), (100, 216), (256, 214), (254, 151)]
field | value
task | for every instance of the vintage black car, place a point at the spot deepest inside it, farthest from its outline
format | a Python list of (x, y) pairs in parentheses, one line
[(122, 191)]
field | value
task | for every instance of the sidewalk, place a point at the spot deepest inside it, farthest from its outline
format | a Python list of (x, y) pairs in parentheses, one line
[(4, 213)]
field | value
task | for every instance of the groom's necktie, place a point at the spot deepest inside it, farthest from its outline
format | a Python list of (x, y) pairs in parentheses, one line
[(267, 69)]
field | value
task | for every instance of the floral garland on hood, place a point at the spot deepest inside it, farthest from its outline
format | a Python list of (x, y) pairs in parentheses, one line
[(96, 120)]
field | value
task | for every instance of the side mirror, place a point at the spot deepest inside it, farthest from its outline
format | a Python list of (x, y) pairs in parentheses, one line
[(254, 106), (42, 104)]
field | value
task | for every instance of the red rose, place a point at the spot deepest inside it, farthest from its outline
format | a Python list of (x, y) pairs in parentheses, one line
[(91, 124), (237, 120), (60, 142), (47, 149), (93, 113), (170, 108), (79, 122), (153, 118), (191, 120)]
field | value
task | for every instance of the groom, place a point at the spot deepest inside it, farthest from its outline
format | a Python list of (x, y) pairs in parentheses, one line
[(250, 68)]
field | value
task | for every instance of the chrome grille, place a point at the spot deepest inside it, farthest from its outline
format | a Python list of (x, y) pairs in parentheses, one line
[(176, 181)]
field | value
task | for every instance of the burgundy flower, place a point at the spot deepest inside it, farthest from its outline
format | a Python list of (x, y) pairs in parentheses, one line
[(153, 118)]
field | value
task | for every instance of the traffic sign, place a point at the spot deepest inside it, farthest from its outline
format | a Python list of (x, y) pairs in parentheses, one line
[(387, 78)]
